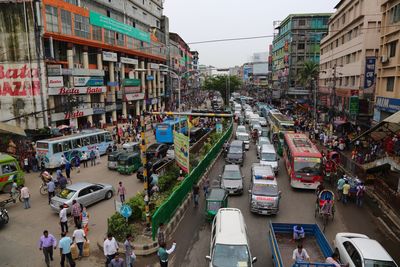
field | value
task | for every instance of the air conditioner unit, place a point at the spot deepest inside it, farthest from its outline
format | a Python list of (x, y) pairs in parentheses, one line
[(384, 59)]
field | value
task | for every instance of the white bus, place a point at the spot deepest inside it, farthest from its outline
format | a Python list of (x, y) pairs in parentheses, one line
[(50, 150)]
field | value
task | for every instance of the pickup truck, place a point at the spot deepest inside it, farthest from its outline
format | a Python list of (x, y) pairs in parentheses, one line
[(282, 245)]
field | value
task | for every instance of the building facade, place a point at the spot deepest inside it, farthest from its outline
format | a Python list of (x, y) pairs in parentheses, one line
[(100, 59), (387, 99), (348, 59), (296, 40)]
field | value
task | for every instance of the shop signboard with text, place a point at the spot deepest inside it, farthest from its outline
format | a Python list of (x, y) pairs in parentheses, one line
[(353, 105), (88, 81), (71, 115), (77, 90), (136, 96), (369, 79), (55, 81), (19, 80), (131, 82), (131, 89), (127, 60), (110, 56), (391, 105)]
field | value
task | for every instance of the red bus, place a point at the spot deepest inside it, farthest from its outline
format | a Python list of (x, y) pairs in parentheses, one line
[(303, 161)]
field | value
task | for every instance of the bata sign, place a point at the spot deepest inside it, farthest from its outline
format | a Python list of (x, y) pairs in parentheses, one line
[(77, 90), (19, 80)]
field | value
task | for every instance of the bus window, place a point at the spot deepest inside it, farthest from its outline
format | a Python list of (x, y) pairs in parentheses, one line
[(101, 138), (8, 167), (57, 148), (108, 137), (66, 145), (76, 143), (93, 139), (86, 141)]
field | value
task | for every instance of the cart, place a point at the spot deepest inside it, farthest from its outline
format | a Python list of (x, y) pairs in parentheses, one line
[(323, 197)]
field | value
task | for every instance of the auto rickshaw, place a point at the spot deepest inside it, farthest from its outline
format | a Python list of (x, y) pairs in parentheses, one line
[(112, 163), (129, 163), (216, 199)]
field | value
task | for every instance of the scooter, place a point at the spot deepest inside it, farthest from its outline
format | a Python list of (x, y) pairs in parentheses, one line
[(3, 216)]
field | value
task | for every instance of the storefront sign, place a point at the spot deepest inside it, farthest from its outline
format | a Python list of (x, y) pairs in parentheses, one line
[(154, 101), (77, 90), (71, 115), (19, 80), (128, 60), (54, 70), (369, 79), (131, 89), (111, 107), (150, 78), (131, 82), (114, 25), (55, 81), (83, 72), (112, 83), (154, 66), (391, 105), (353, 105), (110, 56), (99, 110), (132, 97), (88, 81)]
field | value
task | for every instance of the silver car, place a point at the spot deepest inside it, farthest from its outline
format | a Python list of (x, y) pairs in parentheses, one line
[(232, 179), (84, 193)]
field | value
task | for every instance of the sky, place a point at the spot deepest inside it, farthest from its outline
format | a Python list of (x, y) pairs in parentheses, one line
[(203, 20)]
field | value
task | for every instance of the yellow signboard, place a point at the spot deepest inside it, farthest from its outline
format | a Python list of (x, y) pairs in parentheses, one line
[(181, 145)]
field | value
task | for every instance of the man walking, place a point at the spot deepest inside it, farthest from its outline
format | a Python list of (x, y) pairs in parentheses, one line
[(63, 219), (130, 257), (65, 250), (340, 184), (84, 159), (117, 261), (110, 248), (26, 164), (51, 187), (360, 194), (92, 158), (97, 155), (76, 212), (79, 237), (78, 163), (121, 192), (163, 253), (346, 189), (25, 196), (196, 191), (68, 171), (46, 243)]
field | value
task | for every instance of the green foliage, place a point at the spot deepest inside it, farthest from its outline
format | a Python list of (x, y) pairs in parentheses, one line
[(137, 205), (220, 83), (309, 72), (119, 227)]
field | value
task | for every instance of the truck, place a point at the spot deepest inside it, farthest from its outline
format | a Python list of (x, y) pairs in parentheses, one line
[(280, 237)]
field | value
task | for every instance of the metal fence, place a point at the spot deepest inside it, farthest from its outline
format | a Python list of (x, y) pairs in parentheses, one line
[(167, 210)]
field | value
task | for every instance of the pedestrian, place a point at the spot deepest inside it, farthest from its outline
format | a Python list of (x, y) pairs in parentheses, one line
[(46, 243), (196, 192), (360, 194), (84, 159), (92, 158), (63, 218), (340, 184), (51, 188), (62, 181), (65, 249), (97, 155), (346, 189), (76, 212), (26, 164), (78, 164), (300, 254), (121, 192), (63, 160), (130, 256), (206, 185), (25, 196), (117, 261), (163, 253), (110, 248), (161, 234), (79, 237), (68, 168)]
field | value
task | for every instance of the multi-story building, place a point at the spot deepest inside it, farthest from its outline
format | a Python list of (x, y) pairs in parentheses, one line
[(100, 59), (348, 58), (388, 84), (297, 40)]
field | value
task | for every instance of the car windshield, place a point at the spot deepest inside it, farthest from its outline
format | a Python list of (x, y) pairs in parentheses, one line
[(241, 130), (235, 150), (263, 142), (112, 157), (377, 263), (243, 137), (214, 205), (66, 193), (122, 162), (232, 175), (268, 156), (307, 165), (231, 255), (265, 190)]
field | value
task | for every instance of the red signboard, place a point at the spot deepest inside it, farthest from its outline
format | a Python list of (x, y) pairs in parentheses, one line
[(19, 80)]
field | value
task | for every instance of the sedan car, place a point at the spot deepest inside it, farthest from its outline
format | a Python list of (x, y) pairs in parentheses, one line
[(157, 150), (240, 129), (358, 250), (263, 121), (261, 141), (84, 193), (232, 179)]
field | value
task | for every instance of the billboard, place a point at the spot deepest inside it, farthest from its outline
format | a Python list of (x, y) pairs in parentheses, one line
[(260, 68), (181, 144)]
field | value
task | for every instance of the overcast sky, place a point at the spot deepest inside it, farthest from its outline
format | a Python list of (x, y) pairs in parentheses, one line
[(201, 20)]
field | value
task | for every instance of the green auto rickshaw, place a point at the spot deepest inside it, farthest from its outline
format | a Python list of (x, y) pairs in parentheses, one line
[(129, 163), (113, 157), (216, 199)]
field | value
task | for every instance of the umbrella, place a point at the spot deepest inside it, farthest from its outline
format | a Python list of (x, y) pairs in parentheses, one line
[(63, 126)]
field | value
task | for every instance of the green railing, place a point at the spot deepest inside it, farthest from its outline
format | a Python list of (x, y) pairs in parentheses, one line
[(167, 210)]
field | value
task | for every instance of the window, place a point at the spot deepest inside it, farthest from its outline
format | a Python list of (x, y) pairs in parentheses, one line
[(84, 192), (101, 138), (86, 141), (129, 42), (337, 43), (93, 139), (394, 14), (74, 2), (109, 37), (349, 35), (81, 26), (300, 46), (51, 19), (392, 49), (76, 143), (389, 84), (107, 137), (120, 39), (302, 22), (157, 23), (57, 148), (344, 19), (66, 22), (66, 145), (8, 167), (96, 33)]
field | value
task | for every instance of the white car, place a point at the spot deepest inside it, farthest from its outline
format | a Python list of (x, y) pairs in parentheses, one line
[(262, 121), (358, 250), (261, 141), (240, 129)]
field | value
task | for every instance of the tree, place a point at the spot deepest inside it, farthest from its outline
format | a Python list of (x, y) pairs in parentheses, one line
[(220, 83), (309, 72)]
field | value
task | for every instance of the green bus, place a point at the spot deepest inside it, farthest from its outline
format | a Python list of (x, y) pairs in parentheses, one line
[(279, 124), (9, 170)]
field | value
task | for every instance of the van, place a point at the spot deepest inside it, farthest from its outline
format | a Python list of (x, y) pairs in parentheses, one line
[(9, 170), (264, 193), (229, 244), (245, 137), (268, 156), (236, 153)]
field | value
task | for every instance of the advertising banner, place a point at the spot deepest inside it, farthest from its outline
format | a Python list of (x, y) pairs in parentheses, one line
[(127, 60), (77, 90), (88, 81), (131, 82), (110, 56), (181, 144), (353, 105), (131, 89), (55, 81), (391, 105), (132, 97), (154, 66), (369, 79)]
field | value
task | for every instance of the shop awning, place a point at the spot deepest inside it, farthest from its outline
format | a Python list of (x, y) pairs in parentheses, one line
[(389, 126), (11, 129)]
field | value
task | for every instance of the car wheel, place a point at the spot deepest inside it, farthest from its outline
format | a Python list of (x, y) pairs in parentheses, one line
[(109, 194)]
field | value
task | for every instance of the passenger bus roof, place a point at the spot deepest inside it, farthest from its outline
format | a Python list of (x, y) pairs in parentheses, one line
[(72, 135), (301, 146)]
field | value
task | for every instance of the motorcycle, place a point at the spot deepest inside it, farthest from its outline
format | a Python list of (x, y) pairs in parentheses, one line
[(3, 216)]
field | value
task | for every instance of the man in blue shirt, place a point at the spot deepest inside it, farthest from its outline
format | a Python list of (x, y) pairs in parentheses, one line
[(65, 249), (298, 233), (51, 187)]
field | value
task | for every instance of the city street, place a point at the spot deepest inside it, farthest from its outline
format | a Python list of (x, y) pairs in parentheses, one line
[(297, 206)]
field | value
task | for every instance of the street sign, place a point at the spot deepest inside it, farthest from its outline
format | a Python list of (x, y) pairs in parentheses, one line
[(125, 211), (353, 105)]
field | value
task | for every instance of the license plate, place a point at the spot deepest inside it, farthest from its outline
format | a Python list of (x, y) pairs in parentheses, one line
[(264, 212), (231, 191)]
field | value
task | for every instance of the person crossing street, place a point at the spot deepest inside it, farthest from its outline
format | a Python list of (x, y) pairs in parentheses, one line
[(47, 243)]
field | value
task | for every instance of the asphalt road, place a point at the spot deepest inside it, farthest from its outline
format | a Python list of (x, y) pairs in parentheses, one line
[(297, 206)]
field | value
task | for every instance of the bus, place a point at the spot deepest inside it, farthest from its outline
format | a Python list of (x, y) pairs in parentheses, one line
[(164, 130), (279, 124), (303, 161), (49, 151)]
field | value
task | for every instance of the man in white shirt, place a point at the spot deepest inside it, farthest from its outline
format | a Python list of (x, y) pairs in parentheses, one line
[(300, 254), (25, 196), (79, 238), (63, 219), (334, 259), (110, 248)]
